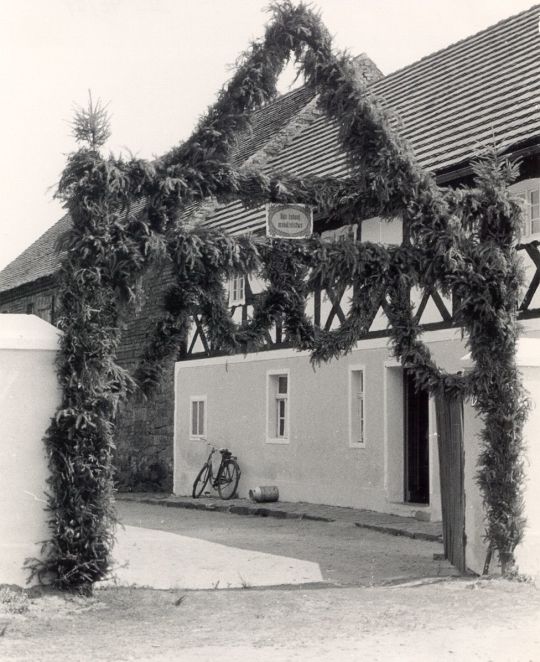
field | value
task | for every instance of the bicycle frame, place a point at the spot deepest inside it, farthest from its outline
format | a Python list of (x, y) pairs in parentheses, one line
[(213, 479), (227, 474)]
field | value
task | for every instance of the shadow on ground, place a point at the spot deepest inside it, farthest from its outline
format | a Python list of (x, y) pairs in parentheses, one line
[(345, 554)]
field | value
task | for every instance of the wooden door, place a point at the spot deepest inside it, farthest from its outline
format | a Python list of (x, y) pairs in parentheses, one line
[(449, 414)]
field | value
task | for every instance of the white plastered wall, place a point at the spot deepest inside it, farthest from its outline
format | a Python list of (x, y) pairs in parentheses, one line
[(29, 395)]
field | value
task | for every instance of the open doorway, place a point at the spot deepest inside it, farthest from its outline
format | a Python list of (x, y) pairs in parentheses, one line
[(416, 436)]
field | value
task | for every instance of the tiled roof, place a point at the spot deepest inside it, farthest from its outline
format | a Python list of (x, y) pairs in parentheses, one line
[(268, 121), (483, 89), (40, 259), (450, 104)]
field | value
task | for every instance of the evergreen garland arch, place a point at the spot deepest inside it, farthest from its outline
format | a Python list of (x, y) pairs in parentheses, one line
[(127, 213)]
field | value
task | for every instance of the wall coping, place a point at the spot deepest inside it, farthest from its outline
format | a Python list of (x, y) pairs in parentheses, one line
[(27, 332)]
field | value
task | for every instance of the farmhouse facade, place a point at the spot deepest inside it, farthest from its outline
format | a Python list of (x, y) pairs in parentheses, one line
[(355, 432)]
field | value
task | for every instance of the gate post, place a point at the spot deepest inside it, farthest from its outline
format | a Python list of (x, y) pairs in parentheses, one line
[(527, 553), (29, 396)]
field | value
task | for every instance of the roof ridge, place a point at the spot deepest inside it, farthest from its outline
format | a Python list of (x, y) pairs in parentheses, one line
[(285, 135), (268, 121)]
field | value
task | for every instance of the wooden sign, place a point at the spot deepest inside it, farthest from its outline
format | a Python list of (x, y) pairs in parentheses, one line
[(289, 221)]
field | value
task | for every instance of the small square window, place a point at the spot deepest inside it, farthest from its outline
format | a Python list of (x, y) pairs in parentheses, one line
[(197, 428)]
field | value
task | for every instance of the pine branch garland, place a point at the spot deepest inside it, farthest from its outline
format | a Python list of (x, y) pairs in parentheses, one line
[(125, 213)]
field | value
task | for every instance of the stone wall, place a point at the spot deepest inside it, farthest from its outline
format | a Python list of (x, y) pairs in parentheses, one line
[(144, 430), (38, 298)]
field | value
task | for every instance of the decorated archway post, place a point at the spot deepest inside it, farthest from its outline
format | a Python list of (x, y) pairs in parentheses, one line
[(462, 242)]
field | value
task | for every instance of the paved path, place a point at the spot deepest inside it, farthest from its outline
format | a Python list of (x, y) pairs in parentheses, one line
[(368, 519)]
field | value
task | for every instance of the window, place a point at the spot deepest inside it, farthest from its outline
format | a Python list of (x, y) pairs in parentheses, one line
[(281, 407), (343, 232), (197, 429), (382, 231), (237, 290), (357, 408), (533, 201), (278, 407), (528, 192)]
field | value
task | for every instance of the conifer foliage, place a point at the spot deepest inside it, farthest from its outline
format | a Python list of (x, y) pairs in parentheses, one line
[(127, 213)]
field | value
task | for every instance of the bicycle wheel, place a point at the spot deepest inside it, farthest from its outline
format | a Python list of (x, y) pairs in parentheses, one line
[(200, 481), (228, 479)]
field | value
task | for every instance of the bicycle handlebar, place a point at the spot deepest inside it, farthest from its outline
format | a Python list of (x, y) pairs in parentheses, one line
[(215, 448)]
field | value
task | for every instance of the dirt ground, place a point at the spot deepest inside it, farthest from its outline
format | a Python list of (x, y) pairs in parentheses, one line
[(373, 605), (453, 619)]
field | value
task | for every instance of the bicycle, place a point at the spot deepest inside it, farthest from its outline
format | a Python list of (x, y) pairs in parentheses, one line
[(227, 477)]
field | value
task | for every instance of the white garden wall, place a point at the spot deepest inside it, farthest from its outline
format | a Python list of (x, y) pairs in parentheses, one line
[(29, 395)]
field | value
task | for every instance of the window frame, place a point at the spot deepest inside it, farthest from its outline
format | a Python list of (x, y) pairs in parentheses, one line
[(273, 397), (237, 295), (522, 191), (198, 436), (356, 368), (379, 230)]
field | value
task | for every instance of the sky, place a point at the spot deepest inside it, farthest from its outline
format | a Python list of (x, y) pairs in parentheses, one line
[(158, 64)]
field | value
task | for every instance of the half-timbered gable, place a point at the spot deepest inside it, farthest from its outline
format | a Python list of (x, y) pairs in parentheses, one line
[(449, 106)]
